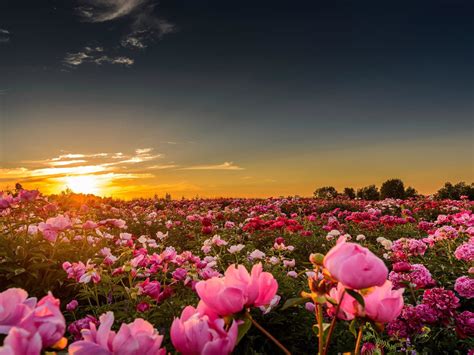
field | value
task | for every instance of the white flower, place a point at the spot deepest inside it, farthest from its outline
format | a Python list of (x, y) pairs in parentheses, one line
[(360, 237), (236, 248), (256, 254)]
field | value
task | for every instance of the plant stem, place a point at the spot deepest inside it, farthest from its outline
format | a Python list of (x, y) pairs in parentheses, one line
[(359, 340), (333, 324), (319, 317), (269, 336)]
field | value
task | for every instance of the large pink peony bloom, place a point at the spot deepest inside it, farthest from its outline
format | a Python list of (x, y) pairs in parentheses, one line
[(53, 226), (20, 341), (355, 266), (195, 333), (14, 306), (383, 304), (46, 320), (238, 289), (136, 338)]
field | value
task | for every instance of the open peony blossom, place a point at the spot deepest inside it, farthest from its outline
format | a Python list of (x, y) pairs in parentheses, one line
[(136, 338), (355, 266), (14, 306), (238, 289), (383, 304), (53, 226), (47, 320), (21, 342), (197, 333)]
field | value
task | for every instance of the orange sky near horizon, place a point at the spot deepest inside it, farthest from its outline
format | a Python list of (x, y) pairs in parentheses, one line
[(145, 172)]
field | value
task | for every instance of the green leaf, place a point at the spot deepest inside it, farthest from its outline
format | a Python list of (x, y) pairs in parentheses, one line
[(353, 327), (243, 329), (293, 302), (358, 297)]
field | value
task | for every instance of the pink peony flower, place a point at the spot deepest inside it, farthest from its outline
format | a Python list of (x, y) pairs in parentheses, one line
[(47, 320), (20, 341), (53, 226), (14, 306), (464, 286), (355, 266), (383, 304), (195, 333), (136, 338), (238, 289)]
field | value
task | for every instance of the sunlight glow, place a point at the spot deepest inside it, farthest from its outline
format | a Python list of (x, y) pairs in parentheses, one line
[(85, 184)]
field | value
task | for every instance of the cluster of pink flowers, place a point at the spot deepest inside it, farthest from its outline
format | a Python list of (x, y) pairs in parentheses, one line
[(82, 273), (31, 325), (356, 267), (202, 330), (405, 247), (416, 275)]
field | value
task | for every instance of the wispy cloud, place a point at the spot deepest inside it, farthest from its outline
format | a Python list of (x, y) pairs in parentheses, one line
[(144, 27), (4, 36), (96, 56), (224, 166), (107, 10)]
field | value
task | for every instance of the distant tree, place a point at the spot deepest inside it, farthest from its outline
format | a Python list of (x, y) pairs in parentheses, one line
[(326, 192), (349, 192), (410, 192), (168, 196), (455, 192), (392, 188), (18, 187), (368, 193)]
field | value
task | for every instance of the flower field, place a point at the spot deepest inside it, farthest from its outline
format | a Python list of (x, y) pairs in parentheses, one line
[(86, 275)]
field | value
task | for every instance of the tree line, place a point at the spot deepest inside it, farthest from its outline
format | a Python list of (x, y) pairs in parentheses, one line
[(395, 188)]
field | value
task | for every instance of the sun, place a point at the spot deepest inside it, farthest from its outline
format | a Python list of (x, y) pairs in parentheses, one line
[(84, 184)]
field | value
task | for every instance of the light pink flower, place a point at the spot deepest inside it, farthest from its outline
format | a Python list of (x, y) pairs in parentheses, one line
[(383, 304), (355, 266), (194, 333)]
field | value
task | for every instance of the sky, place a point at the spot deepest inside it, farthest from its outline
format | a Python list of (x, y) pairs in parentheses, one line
[(235, 98)]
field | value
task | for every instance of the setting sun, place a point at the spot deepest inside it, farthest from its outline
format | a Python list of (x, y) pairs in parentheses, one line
[(86, 184)]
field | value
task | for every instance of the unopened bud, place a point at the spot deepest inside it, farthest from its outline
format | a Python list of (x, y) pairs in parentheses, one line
[(316, 259)]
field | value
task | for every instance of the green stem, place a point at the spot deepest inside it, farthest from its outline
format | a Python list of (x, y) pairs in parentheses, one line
[(269, 336), (319, 317), (333, 324), (359, 340)]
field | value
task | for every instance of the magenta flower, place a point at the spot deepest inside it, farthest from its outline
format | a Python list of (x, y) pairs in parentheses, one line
[(195, 333), (355, 266), (464, 286)]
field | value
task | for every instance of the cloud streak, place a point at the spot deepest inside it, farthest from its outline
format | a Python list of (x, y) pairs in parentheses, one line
[(4, 36), (95, 56), (107, 10), (224, 166)]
